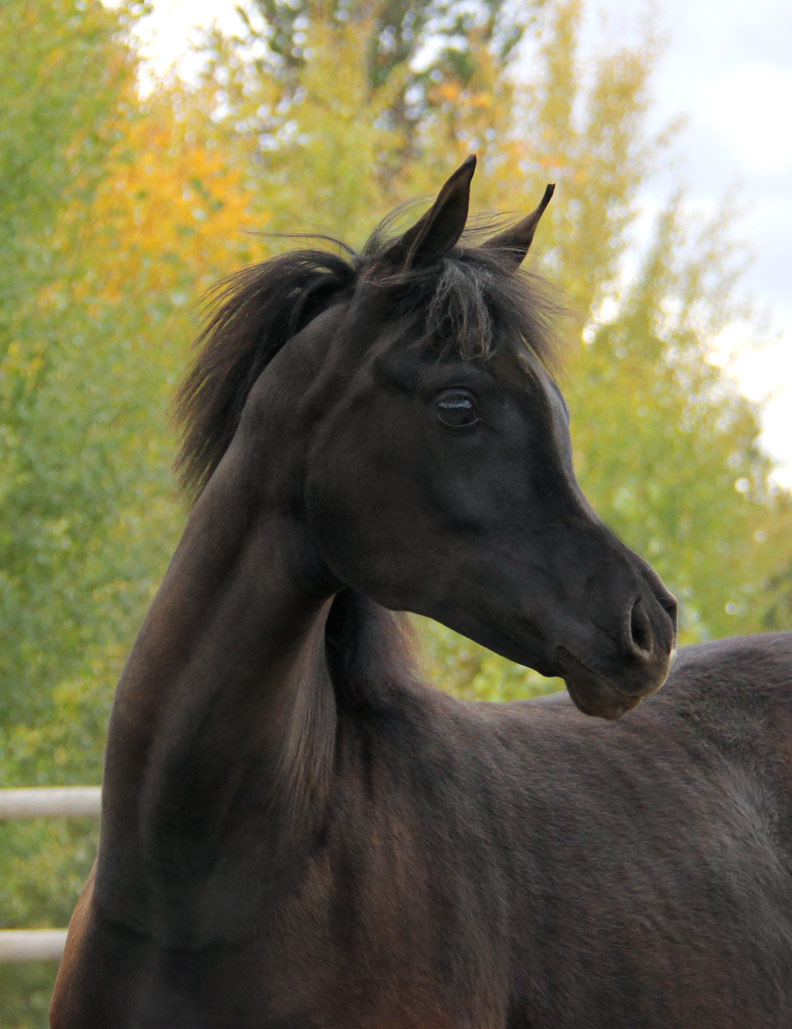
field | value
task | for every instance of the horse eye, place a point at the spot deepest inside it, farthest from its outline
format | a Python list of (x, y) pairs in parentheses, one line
[(457, 408)]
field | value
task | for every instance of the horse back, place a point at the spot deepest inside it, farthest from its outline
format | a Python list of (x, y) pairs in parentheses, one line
[(737, 693)]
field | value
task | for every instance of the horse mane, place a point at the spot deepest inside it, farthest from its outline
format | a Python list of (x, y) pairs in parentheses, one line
[(467, 303), (254, 312)]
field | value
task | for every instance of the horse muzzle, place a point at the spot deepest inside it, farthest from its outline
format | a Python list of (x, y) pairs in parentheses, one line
[(629, 667)]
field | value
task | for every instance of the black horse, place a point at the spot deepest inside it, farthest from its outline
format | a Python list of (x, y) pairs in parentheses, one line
[(295, 831)]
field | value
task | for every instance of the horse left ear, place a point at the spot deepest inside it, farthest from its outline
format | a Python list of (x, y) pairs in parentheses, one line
[(438, 231), (515, 242)]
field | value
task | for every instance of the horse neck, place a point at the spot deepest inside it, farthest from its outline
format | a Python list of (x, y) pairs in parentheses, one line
[(225, 696)]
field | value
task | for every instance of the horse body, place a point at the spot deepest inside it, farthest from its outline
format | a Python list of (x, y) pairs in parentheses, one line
[(511, 865), (296, 832)]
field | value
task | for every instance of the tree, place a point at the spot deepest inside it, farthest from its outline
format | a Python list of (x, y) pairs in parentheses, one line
[(89, 517), (65, 69), (64, 74), (409, 46), (667, 449)]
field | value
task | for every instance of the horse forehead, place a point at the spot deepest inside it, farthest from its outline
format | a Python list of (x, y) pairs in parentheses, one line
[(518, 368), (412, 366), (402, 361), (393, 353)]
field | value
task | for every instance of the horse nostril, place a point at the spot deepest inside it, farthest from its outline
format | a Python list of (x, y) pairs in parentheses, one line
[(670, 606), (640, 628)]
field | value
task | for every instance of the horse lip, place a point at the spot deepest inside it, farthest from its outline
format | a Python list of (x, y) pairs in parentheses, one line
[(592, 693)]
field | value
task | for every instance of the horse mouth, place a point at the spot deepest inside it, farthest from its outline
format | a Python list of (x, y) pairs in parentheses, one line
[(591, 693)]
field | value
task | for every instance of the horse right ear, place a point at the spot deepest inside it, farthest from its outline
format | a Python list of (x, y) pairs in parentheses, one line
[(515, 242), (438, 231)]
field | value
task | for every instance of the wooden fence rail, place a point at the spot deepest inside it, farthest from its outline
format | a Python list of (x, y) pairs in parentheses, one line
[(43, 802)]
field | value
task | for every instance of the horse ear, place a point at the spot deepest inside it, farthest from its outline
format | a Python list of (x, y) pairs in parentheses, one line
[(515, 242), (438, 231)]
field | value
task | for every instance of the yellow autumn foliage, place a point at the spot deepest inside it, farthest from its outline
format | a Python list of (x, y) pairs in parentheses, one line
[(172, 209)]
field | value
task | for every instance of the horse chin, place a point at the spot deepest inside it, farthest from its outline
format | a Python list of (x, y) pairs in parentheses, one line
[(595, 696), (592, 693)]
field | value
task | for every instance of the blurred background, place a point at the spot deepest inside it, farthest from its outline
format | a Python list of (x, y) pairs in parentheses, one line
[(147, 150)]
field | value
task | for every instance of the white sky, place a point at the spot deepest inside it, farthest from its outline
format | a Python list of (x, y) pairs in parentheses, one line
[(727, 68)]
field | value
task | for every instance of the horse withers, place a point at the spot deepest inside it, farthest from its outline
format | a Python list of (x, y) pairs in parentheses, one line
[(295, 831)]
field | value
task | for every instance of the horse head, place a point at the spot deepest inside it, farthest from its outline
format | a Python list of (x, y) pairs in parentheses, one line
[(423, 444)]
